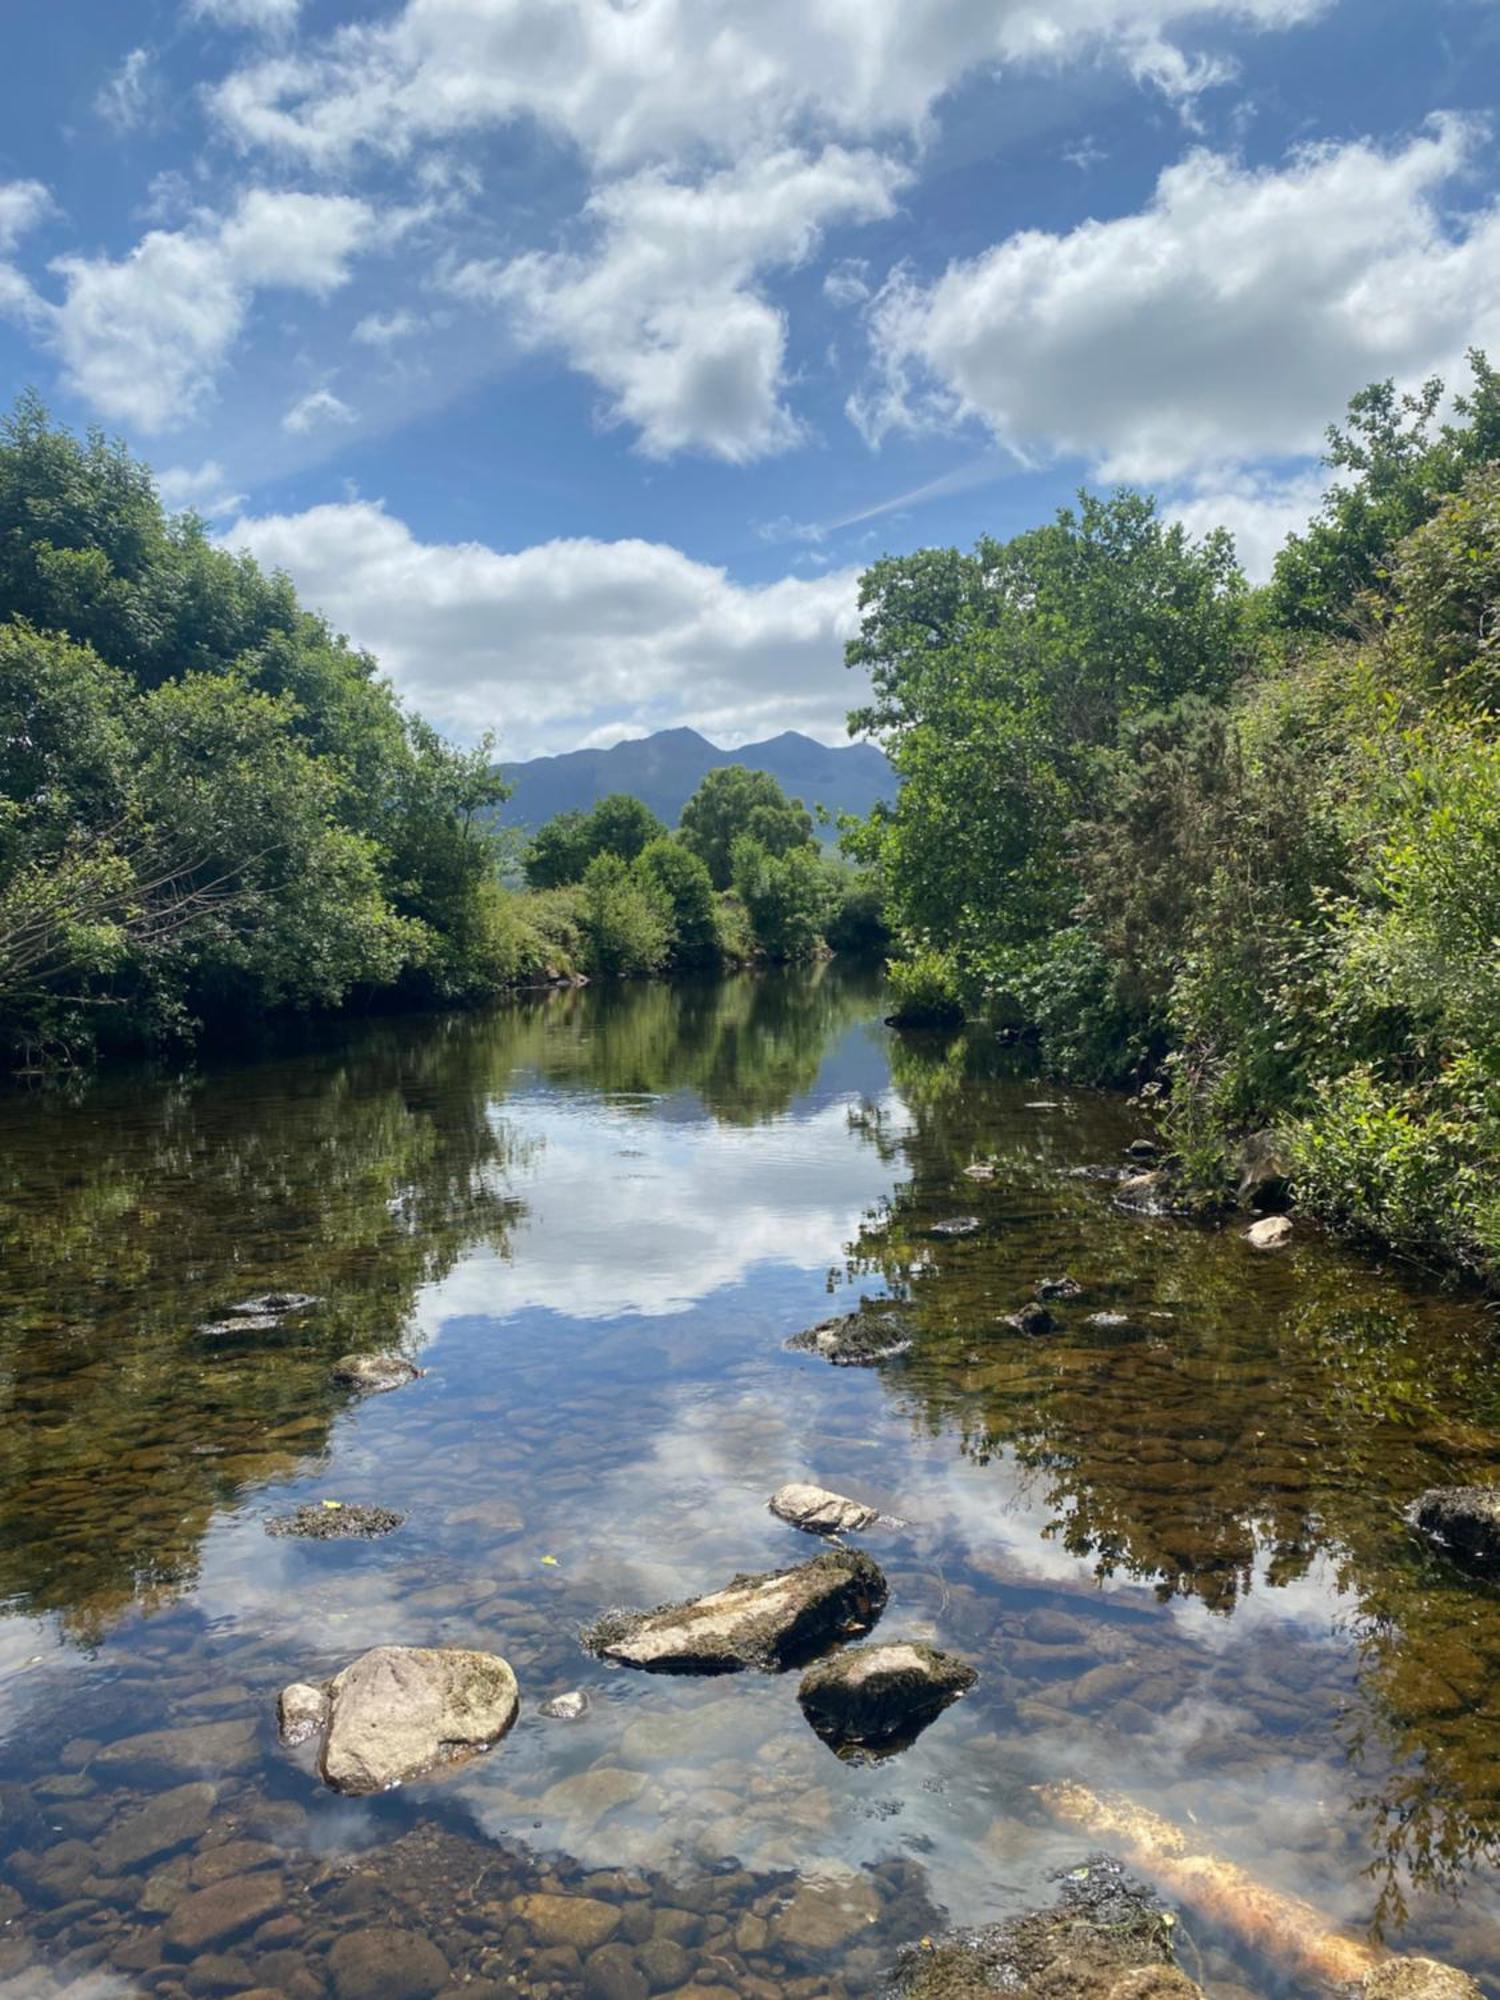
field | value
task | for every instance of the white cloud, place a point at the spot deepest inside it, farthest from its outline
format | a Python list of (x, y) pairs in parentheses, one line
[(386, 329), (129, 99), (1260, 510), (664, 314), (665, 78), (316, 411), (247, 13), (143, 338), (23, 204), (1228, 321), (549, 641), (206, 488)]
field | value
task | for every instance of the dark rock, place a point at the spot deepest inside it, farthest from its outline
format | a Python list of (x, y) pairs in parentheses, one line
[(1143, 1149), (373, 1374), (381, 1964), (1059, 1288), (770, 1620), (335, 1521), (1264, 1172), (1465, 1522), (611, 1973), (1105, 1939), (881, 1697), (1032, 1319), (878, 1332)]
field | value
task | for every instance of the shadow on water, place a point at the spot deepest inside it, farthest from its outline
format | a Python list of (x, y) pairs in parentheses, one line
[(1172, 1543)]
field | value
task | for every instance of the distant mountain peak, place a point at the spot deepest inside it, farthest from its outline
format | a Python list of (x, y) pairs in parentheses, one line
[(664, 770)]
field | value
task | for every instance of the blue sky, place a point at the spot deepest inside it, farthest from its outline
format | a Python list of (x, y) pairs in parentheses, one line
[(576, 355)]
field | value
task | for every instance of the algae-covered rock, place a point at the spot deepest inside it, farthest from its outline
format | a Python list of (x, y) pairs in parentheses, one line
[(335, 1521), (873, 1700), (400, 1711), (818, 1512), (1106, 1938), (373, 1374), (1465, 1522), (771, 1620), (879, 1331)]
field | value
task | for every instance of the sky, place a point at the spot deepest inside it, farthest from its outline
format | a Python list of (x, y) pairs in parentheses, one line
[(576, 356)]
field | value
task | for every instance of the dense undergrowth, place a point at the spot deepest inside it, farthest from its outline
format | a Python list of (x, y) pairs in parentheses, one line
[(1241, 843)]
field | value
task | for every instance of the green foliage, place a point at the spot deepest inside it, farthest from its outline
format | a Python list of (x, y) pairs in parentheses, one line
[(210, 805), (855, 923), (686, 892), (561, 851), (786, 896), (925, 989), (624, 919), (734, 803), (1245, 846)]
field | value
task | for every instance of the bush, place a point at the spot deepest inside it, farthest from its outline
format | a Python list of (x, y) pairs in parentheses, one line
[(681, 881), (925, 989), (626, 929), (786, 896)]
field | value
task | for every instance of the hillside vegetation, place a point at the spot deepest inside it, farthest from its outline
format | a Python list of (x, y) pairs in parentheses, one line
[(1240, 845)]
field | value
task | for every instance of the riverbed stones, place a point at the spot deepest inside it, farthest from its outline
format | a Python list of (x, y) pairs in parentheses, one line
[(826, 1911), (1272, 1232), (165, 1756), (335, 1521), (1059, 1288), (401, 1711), (162, 1825), (226, 1910), (373, 1374), (1465, 1522), (387, 1964), (1418, 1979), (882, 1694), (817, 1511), (1034, 1319), (879, 1331), (583, 1922), (768, 1620), (952, 1227)]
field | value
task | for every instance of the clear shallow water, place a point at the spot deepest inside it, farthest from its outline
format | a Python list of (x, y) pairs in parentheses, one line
[(1175, 1552)]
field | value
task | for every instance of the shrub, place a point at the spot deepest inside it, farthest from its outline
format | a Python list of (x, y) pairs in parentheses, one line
[(925, 989)]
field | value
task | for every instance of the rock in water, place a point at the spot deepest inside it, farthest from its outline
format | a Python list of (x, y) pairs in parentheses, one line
[(1418, 1979), (1107, 1938), (335, 1521), (1033, 1319), (877, 1332), (818, 1512), (373, 1374), (1059, 1288), (1272, 1232), (768, 1621), (381, 1964), (301, 1713), (954, 1225), (1465, 1521), (570, 1707), (403, 1710), (879, 1698)]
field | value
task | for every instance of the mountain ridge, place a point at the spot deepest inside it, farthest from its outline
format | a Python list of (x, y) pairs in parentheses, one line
[(665, 769)]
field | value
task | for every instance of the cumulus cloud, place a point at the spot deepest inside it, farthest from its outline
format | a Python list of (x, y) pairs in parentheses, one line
[(1227, 321), (1259, 508), (23, 204), (206, 488), (664, 312), (664, 78), (144, 337), (547, 642), (386, 329), (316, 411)]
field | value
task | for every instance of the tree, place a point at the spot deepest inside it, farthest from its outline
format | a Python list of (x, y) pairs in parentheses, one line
[(787, 896), (622, 825), (563, 848), (626, 929), (732, 802), (683, 885)]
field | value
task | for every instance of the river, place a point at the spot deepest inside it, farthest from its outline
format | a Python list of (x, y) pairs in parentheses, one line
[(1173, 1547)]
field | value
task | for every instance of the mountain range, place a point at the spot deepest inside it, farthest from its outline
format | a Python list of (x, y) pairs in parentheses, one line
[(665, 770)]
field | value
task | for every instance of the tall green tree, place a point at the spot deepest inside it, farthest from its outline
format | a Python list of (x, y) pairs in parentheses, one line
[(734, 802)]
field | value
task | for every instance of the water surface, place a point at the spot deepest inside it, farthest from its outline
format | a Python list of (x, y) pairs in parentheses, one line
[(1175, 1549)]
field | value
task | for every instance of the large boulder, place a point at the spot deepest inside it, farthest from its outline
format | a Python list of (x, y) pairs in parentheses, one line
[(818, 1512), (401, 1711), (1106, 1938), (1465, 1522), (772, 1620), (878, 1332), (880, 1697)]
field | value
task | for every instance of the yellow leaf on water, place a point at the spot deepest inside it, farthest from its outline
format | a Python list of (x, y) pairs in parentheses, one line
[(334, 1504), (551, 1561)]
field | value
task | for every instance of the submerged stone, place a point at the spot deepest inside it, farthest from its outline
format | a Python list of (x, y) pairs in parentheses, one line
[(301, 1713), (1059, 1288), (769, 1621), (384, 1964), (1418, 1979), (1106, 1938), (1465, 1522), (401, 1711), (818, 1512), (320, 1521), (373, 1374), (169, 1821), (878, 1698), (1272, 1232), (879, 1331), (570, 1707), (276, 1303), (1032, 1319), (953, 1226)]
